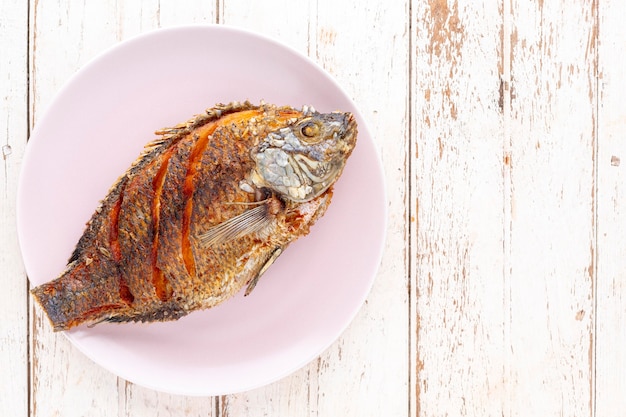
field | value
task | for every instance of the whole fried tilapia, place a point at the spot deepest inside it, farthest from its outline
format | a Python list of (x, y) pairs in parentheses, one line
[(203, 212)]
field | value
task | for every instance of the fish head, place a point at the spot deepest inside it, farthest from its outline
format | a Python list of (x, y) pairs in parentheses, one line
[(303, 159)]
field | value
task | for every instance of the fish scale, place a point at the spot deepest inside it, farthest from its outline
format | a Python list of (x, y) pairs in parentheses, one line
[(196, 217)]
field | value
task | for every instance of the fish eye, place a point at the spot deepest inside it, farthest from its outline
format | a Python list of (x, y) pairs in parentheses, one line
[(309, 129)]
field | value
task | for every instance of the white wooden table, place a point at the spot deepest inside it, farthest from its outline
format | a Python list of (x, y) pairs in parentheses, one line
[(501, 126)]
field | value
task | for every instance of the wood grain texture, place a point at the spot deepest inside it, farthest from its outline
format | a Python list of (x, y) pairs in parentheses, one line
[(13, 133), (278, 19), (458, 205), (500, 124), (369, 369), (610, 369), (552, 249), (140, 401)]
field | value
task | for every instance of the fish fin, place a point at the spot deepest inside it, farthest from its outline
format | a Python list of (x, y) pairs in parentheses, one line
[(270, 260), (249, 221), (78, 297), (169, 135), (165, 312), (157, 143), (211, 114)]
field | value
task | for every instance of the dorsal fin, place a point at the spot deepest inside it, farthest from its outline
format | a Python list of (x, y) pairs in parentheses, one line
[(169, 135)]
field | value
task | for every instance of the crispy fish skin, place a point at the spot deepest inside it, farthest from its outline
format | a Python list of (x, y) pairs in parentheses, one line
[(202, 213)]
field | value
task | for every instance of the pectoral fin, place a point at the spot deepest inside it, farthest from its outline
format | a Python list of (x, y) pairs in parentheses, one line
[(250, 221), (270, 260)]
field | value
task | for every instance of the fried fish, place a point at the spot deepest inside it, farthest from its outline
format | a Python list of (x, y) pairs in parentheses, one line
[(203, 212)]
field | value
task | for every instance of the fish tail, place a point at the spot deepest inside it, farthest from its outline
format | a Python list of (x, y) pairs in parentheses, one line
[(78, 297)]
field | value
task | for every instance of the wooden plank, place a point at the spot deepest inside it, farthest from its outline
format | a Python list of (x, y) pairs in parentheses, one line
[(611, 193), (140, 401), (517, 232), (278, 19), (458, 203), (552, 128), (365, 372), (64, 382), (134, 18), (13, 133)]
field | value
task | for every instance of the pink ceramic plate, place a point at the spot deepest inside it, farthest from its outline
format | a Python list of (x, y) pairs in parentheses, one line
[(97, 126)]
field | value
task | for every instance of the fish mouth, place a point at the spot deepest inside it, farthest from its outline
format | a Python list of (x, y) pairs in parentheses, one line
[(345, 121), (350, 131), (345, 134)]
